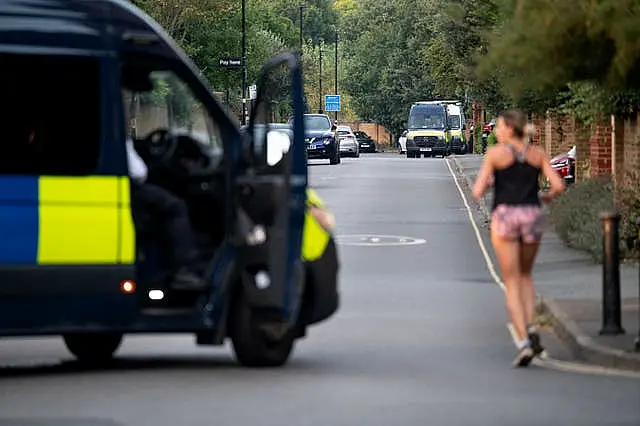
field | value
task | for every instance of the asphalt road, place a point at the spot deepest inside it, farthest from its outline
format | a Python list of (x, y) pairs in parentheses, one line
[(420, 339)]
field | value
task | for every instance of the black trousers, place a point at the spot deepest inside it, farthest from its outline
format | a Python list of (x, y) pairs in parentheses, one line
[(169, 214)]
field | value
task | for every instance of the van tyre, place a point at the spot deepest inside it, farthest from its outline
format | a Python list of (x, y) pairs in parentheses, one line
[(250, 344), (93, 348)]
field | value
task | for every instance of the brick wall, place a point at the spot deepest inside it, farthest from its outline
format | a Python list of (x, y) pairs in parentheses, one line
[(539, 124), (378, 133), (631, 150), (600, 150), (581, 138), (476, 119), (597, 152), (560, 135)]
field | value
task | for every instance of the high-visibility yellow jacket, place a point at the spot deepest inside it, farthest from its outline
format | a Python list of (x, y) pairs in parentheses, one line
[(314, 237)]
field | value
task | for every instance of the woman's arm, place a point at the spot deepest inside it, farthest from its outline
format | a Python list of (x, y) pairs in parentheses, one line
[(484, 180)]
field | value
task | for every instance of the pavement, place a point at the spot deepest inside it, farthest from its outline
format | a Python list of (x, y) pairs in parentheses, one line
[(420, 339), (569, 284)]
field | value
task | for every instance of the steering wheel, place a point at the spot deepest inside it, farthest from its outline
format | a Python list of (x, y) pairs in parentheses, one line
[(162, 145)]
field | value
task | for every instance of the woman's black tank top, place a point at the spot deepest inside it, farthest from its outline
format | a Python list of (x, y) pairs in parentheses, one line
[(518, 184)]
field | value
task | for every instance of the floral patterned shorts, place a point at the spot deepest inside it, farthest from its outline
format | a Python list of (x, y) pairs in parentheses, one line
[(524, 223)]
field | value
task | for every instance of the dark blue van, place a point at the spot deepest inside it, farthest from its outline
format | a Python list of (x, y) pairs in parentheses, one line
[(79, 77)]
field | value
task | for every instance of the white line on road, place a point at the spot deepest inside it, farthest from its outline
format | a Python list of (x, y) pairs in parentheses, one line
[(545, 361), (369, 240)]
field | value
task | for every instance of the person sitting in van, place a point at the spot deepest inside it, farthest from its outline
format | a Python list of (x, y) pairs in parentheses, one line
[(174, 217)]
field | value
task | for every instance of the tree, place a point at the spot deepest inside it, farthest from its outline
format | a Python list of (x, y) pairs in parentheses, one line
[(584, 48), (210, 29), (384, 72)]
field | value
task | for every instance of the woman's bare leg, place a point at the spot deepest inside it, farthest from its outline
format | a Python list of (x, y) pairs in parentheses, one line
[(508, 252), (528, 254)]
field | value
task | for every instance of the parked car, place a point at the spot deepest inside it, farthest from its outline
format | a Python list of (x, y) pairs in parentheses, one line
[(565, 165), (321, 138), (347, 141), (487, 129), (367, 144)]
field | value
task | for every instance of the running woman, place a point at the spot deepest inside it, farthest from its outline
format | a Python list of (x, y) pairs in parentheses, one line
[(513, 168)]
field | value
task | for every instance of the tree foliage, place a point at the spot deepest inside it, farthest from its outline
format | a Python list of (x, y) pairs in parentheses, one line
[(210, 29), (578, 57)]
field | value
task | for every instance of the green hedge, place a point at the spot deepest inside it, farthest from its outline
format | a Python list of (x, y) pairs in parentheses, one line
[(491, 140), (477, 139), (576, 216), (628, 205)]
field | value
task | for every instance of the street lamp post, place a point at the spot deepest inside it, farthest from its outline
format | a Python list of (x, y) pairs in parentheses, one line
[(320, 99), (301, 37), (335, 87), (244, 65)]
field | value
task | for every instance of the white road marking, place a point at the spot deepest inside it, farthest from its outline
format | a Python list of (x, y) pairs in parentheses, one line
[(545, 361), (370, 240)]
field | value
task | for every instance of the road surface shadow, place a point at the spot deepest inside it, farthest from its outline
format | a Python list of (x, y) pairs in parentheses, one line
[(59, 422), (121, 364), (145, 363)]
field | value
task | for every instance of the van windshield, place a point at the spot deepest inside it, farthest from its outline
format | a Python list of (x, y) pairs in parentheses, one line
[(454, 122), (427, 117)]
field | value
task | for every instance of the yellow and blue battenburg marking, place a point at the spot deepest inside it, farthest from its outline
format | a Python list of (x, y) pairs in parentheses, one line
[(60, 220)]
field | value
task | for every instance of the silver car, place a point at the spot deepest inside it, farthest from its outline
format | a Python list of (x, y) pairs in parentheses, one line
[(348, 142)]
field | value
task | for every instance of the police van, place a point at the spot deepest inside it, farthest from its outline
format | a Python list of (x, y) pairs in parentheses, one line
[(428, 133), (457, 126), (78, 260)]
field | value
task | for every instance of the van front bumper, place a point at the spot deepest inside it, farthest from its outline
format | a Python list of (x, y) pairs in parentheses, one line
[(427, 145)]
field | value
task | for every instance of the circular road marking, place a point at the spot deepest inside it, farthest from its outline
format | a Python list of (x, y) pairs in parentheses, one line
[(370, 240)]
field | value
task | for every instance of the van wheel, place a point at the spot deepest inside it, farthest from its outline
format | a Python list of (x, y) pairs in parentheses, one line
[(94, 347), (250, 344)]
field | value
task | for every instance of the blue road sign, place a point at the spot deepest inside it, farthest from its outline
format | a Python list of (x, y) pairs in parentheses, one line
[(332, 103)]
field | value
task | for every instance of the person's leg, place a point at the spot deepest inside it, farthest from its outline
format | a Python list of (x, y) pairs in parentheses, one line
[(505, 236), (176, 227), (528, 252), (527, 258), (175, 218), (534, 225), (508, 253)]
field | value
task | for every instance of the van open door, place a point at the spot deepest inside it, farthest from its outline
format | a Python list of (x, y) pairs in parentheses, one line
[(270, 217)]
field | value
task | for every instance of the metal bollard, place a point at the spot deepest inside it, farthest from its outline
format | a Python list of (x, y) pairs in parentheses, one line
[(636, 344), (611, 303)]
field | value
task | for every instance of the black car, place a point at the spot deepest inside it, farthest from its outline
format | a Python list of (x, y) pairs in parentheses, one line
[(321, 138), (366, 143)]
